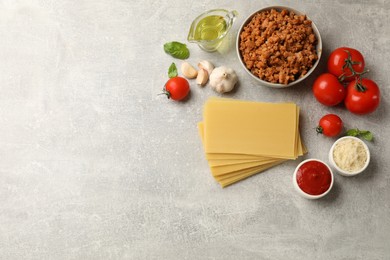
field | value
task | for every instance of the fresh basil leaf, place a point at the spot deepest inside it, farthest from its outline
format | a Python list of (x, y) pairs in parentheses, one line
[(352, 132), (172, 71), (367, 135), (177, 50)]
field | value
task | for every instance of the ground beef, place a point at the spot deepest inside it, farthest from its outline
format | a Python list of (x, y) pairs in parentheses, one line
[(278, 47)]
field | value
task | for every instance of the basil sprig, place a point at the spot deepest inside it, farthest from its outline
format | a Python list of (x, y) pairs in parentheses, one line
[(367, 135)]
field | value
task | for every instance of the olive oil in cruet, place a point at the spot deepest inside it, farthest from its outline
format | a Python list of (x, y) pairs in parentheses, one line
[(210, 28)]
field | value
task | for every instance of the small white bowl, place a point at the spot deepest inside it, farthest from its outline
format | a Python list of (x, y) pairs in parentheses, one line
[(304, 194), (264, 82), (344, 172)]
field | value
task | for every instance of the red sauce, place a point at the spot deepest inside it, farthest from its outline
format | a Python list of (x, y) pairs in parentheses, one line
[(314, 177)]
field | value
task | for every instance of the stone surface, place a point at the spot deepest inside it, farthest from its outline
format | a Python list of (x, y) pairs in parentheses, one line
[(95, 165)]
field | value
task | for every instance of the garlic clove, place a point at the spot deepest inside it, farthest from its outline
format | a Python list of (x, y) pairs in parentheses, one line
[(188, 71), (205, 64), (202, 78)]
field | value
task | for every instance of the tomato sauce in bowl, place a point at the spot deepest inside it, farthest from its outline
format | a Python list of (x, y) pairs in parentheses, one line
[(313, 179)]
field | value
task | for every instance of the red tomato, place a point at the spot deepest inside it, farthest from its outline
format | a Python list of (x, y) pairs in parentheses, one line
[(328, 90), (330, 125), (346, 63), (177, 88), (363, 96)]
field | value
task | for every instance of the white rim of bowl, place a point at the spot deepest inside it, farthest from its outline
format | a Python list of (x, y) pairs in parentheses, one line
[(341, 171), (307, 195), (277, 85)]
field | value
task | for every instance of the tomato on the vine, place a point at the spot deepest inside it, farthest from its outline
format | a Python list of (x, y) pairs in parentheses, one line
[(330, 125), (346, 63), (363, 96), (328, 90), (176, 88)]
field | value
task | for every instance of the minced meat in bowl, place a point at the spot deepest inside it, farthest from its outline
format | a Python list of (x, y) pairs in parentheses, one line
[(279, 46)]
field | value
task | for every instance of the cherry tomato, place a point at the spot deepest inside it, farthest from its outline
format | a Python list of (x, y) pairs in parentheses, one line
[(328, 90), (330, 125), (176, 88), (363, 96), (345, 63)]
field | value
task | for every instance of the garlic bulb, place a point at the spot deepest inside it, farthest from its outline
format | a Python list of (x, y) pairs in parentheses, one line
[(223, 79)]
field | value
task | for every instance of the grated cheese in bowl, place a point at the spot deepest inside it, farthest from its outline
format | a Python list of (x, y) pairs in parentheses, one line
[(349, 155)]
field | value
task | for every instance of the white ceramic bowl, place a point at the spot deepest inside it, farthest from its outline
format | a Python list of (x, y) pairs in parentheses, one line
[(341, 171), (266, 83), (304, 194)]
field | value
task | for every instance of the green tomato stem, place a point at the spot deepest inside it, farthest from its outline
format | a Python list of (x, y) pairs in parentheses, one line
[(319, 130), (349, 65)]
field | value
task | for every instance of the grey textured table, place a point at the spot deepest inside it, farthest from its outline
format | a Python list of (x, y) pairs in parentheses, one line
[(95, 165)]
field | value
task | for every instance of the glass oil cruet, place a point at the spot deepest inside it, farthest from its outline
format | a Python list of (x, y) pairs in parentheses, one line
[(209, 29)]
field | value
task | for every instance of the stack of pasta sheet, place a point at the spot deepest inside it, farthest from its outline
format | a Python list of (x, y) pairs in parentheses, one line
[(242, 138)]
